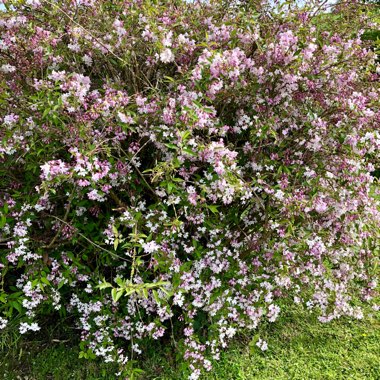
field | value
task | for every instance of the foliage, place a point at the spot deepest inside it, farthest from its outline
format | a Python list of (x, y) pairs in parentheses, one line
[(174, 171), (373, 34)]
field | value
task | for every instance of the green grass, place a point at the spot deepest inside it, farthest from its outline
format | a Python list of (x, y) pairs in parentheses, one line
[(299, 348), (302, 350)]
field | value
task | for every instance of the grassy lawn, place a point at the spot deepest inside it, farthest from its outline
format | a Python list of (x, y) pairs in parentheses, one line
[(299, 348)]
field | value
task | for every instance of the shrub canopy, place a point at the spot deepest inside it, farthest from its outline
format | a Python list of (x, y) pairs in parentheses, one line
[(183, 169)]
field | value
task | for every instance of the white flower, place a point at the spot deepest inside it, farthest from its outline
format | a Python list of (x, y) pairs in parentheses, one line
[(96, 196), (34, 3), (88, 289), (45, 170), (179, 299), (57, 75), (80, 211), (151, 247), (167, 56), (87, 60), (3, 45), (123, 118), (167, 40), (7, 68), (195, 374), (3, 323), (24, 327), (230, 332), (262, 344), (279, 195), (74, 47)]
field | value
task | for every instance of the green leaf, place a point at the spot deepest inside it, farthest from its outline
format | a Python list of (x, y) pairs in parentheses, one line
[(170, 79), (116, 294), (170, 186), (3, 221), (156, 297), (17, 306), (120, 282), (213, 208), (172, 146), (185, 135), (189, 151), (61, 283), (104, 285), (45, 280), (45, 113), (115, 231)]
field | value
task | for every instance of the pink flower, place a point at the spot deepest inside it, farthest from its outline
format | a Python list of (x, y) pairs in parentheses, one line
[(167, 56), (320, 206)]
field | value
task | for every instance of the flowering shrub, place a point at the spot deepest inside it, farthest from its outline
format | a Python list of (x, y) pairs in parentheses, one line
[(176, 169)]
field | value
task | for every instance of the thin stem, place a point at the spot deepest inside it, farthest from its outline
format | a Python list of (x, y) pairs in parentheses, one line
[(83, 28), (91, 242)]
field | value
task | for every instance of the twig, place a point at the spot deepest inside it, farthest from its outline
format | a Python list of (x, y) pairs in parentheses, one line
[(91, 242), (82, 27), (61, 226)]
